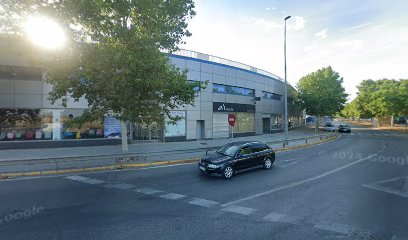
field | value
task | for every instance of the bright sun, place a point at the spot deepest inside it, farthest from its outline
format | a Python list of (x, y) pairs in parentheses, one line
[(45, 32)]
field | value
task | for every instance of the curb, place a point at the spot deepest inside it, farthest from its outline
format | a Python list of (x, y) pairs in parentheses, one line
[(136, 165)]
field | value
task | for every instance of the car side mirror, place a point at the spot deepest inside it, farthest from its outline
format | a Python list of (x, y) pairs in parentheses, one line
[(239, 155)]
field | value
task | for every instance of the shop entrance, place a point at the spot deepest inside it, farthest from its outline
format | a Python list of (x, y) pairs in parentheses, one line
[(266, 123)]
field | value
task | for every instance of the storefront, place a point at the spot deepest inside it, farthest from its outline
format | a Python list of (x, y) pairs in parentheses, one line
[(271, 122), (45, 124), (245, 119)]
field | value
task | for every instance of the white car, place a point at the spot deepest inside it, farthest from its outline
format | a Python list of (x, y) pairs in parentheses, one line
[(330, 127)]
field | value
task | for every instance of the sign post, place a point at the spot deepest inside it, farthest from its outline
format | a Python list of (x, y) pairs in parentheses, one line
[(231, 120)]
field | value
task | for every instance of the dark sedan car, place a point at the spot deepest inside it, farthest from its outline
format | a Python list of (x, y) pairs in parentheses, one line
[(344, 128), (237, 156)]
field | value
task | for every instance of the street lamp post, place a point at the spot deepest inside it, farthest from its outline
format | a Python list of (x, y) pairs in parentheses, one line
[(286, 87)]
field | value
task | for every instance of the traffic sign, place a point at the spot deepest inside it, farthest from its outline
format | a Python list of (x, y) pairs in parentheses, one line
[(231, 119)]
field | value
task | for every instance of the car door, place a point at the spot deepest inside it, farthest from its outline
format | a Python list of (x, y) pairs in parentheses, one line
[(259, 153), (244, 158)]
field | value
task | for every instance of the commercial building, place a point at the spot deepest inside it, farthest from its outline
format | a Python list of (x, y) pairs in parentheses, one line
[(253, 95)]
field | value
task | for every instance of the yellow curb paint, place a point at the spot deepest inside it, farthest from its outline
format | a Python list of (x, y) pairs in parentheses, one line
[(130, 165)]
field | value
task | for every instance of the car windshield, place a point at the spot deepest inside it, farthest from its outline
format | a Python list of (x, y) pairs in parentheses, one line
[(228, 150)]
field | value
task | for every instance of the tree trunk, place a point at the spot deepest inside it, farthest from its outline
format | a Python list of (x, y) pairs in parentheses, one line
[(124, 137), (317, 124), (392, 120)]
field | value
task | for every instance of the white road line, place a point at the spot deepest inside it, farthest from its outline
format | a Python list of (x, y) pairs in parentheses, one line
[(147, 190), (172, 196), (240, 210), (123, 186), (77, 178), (283, 218), (203, 202), (295, 184), (94, 181), (352, 134), (336, 227), (287, 165)]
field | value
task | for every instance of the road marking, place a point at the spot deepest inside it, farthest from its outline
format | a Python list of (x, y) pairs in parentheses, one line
[(403, 192), (203, 202), (172, 196), (287, 165), (283, 218), (147, 190), (352, 133), (94, 181), (123, 186), (335, 227), (77, 178), (240, 210), (295, 184)]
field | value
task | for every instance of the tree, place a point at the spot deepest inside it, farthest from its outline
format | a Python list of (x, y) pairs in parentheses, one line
[(383, 97), (115, 59), (321, 93)]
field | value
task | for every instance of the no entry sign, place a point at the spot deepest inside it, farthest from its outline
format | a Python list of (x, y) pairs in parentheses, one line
[(231, 119)]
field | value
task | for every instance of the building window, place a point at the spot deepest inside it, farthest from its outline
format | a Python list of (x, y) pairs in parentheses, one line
[(218, 88), (273, 96), (245, 122), (178, 128)]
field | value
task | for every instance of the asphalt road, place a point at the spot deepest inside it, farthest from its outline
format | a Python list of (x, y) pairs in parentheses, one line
[(355, 187)]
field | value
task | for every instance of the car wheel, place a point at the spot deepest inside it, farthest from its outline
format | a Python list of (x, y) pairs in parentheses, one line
[(228, 172), (267, 163)]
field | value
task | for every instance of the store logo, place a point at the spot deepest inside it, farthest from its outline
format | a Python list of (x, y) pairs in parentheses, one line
[(223, 108)]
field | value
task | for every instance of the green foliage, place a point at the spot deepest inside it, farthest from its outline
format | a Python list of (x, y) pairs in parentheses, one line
[(321, 93), (115, 60), (381, 98)]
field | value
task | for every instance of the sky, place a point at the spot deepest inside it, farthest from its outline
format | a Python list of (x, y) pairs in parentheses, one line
[(364, 39)]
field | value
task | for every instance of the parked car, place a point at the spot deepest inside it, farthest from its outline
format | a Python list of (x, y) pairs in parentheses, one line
[(329, 127), (237, 156), (344, 128)]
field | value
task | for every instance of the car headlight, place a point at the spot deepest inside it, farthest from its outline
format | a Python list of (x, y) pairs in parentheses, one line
[(212, 166)]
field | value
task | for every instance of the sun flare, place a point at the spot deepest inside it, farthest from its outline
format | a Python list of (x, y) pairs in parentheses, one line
[(45, 32)]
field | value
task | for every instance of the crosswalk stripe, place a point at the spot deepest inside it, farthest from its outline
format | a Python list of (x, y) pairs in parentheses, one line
[(279, 217), (336, 227), (123, 186), (203, 202), (77, 178), (94, 181), (172, 196), (147, 190), (240, 210)]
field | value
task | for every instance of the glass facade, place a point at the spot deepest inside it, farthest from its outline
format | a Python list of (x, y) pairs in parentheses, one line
[(273, 96), (178, 128), (245, 122), (218, 88), (45, 124)]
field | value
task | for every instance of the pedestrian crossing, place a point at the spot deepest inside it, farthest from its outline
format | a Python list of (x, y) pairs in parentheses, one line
[(375, 134), (256, 214)]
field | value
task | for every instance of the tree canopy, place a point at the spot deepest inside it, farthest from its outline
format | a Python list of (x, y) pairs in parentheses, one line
[(115, 58), (385, 97), (321, 93)]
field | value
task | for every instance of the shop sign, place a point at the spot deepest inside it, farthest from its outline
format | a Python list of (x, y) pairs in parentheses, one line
[(232, 107)]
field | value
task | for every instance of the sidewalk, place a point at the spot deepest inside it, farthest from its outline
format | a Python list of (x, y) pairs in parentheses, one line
[(87, 157)]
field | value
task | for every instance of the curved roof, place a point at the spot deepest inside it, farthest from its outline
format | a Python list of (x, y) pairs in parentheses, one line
[(223, 61)]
